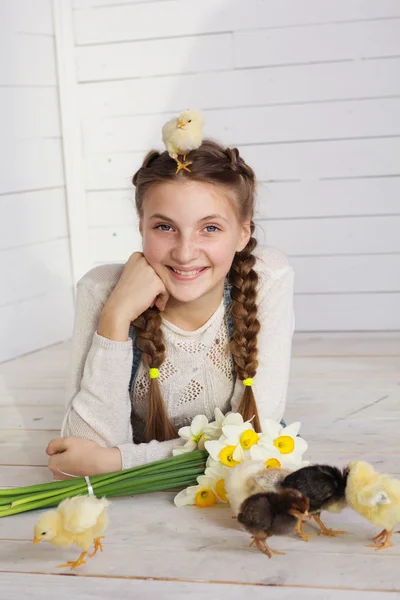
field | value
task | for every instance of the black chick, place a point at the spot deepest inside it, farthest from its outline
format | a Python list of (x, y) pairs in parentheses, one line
[(272, 513), (325, 487)]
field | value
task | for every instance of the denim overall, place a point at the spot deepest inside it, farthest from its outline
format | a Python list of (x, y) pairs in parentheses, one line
[(137, 354)]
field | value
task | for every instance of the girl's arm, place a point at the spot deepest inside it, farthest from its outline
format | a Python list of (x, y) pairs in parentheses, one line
[(98, 403), (275, 313)]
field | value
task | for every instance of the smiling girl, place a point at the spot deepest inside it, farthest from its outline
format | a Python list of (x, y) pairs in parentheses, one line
[(195, 321)]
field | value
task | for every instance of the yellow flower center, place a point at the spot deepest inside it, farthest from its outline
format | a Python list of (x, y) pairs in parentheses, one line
[(285, 444), (220, 489), (226, 456), (205, 497), (273, 463), (248, 439)]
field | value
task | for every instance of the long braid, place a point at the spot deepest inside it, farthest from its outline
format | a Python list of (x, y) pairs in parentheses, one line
[(243, 345), (150, 340)]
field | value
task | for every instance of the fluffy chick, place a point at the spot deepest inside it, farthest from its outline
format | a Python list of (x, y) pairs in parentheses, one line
[(80, 520), (271, 513), (249, 478), (376, 497), (325, 487), (183, 134)]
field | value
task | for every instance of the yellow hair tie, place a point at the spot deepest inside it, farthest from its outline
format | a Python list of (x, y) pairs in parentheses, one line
[(153, 373), (248, 382)]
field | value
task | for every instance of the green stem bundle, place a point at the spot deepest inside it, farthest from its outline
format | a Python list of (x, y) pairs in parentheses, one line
[(169, 473)]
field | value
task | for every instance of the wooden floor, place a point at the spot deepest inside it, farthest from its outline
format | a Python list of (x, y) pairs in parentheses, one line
[(346, 392)]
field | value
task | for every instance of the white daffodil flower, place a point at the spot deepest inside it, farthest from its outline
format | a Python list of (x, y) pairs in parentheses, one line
[(194, 433), (272, 458), (203, 495), (213, 430), (284, 439), (218, 472), (221, 452)]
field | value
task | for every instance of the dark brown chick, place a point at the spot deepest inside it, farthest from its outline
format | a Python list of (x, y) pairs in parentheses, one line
[(325, 487), (272, 513)]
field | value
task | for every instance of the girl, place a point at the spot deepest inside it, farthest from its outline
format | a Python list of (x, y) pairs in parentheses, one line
[(194, 322)]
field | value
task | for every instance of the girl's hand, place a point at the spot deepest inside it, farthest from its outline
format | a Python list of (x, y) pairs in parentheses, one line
[(138, 288), (81, 457)]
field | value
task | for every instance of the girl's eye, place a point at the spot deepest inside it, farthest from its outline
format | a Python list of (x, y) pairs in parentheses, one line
[(164, 227), (212, 228)]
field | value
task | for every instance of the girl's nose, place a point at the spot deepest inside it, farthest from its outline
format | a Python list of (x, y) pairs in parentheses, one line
[(185, 251)]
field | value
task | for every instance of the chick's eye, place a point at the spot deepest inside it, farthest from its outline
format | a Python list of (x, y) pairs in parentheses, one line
[(190, 120), (43, 533)]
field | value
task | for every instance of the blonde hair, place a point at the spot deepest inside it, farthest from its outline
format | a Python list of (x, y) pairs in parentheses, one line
[(211, 163)]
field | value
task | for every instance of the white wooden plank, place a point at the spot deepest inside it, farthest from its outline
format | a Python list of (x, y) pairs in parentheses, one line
[(347, 312), (31, 165), (25, 16), (87, 589), (140, 20), (349, 344), (31, 60), (18, 105), (168, 557), (31, 397), (160, 57), (311, 161), (247, 87), (113, 244), (27, 271), (44, 219), (48, 318), (303, 44), (262, 125), (366, 235), (372, 196), (303, 161), (22, 476), (111, 208), (352, 273), (25, 447), (35, 417)]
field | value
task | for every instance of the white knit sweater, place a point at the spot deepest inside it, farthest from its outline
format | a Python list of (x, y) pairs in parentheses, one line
[(198, 373)]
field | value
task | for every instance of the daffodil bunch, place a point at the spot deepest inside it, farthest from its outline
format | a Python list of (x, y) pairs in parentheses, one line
[(229, 441)]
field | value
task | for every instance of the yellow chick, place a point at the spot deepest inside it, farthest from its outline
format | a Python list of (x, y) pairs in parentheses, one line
[(79, 520), (183, 134), (249, 478), (376, 497)]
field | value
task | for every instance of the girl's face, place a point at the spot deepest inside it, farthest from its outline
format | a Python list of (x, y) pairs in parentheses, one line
[(190, 236)]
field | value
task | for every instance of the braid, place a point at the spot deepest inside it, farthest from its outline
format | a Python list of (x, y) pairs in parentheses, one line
[(150, 340), (243, 345)]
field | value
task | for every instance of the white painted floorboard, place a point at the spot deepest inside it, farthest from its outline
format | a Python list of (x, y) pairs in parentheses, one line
[(346, 391)]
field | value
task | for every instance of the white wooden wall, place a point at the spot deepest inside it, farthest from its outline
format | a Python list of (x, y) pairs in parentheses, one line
[(36, 300), (308, 89)]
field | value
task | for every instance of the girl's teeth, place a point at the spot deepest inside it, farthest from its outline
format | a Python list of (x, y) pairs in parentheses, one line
[(187, 273)]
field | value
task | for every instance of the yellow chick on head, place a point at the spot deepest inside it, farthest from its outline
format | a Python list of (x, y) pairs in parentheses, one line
[(80, 520), (183, 134), (376, 497)]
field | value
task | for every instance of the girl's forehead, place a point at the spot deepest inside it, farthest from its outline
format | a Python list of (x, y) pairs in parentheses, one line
[(194, 198)]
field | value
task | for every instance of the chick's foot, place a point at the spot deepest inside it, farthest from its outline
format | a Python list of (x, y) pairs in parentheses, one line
[(74, 565), (264, 548), (97, 546), (300, 532), (182, 166), (383, 540), (325, 531)]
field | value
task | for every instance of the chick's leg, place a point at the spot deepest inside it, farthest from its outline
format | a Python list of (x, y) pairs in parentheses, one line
[(383, 540), (80, 561), (325, 530), (97, 546), (182, 166), (300, 532), (264, 548)]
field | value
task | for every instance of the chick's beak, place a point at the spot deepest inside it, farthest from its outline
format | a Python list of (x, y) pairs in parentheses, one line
[(298, 514), (181, 124), (36, 539)]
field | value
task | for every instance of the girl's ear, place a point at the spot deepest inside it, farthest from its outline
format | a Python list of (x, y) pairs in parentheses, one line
[(245, 236)]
